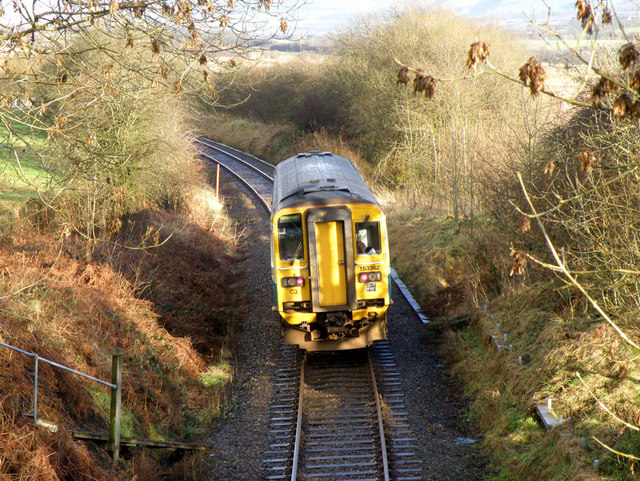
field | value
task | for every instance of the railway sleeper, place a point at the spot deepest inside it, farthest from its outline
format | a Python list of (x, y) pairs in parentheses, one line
[(341, 473), (366, 442), (407, 471), (276, 460), (343, 456), (342, 415)]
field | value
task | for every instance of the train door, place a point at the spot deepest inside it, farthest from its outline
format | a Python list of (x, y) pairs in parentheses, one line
[(332, 276), (331, 259)]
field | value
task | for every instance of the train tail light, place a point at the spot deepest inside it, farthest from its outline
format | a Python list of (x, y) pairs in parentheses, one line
[(365, 277)]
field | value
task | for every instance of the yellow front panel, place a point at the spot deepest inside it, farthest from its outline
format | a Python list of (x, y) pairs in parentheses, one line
[(331, 267)]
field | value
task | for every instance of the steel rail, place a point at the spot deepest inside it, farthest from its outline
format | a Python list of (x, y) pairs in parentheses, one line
[(298, 438), (213, 143), (239, 177), (361, 424), (210, 144), (383, 443)]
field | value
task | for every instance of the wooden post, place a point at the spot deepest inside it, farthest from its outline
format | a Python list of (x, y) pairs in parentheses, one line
[(113, 444), (217, 181)]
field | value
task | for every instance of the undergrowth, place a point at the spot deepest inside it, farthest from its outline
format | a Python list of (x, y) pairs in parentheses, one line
[(523, 343), (161, 292)]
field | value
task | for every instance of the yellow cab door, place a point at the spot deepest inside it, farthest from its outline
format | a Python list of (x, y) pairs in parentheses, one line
[(331, 259), (332, 276)]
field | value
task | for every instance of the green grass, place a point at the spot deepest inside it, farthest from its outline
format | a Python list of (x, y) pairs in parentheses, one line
[(128, 422), (217, 375), (21, 168)]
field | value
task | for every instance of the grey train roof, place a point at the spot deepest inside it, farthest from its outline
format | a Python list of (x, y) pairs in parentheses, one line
[(317, 178)]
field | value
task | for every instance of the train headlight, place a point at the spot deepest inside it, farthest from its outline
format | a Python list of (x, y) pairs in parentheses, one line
[(292, 281)]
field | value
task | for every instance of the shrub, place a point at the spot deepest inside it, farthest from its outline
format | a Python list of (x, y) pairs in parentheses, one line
[(116, 143)]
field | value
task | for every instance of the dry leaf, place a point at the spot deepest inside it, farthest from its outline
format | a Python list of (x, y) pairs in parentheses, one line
[(532, 74), (155, 46), (621, 106), (403, 76), (634, 80), (628, 55), (614, 347), (549, 168), (587, 160), (424, 83), (519, 262), (601, 90), (478, 52)]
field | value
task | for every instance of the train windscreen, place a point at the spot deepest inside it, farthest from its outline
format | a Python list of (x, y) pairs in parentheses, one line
[(368, 238), (290, 237)]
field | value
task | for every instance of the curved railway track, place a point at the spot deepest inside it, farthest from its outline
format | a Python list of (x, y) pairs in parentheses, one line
[(254, 174), (336, 415)]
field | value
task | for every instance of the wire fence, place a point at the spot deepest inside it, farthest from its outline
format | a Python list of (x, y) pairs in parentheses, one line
[(113, 443)]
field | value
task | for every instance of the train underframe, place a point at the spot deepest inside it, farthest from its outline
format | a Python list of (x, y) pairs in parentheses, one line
[(336, 331)]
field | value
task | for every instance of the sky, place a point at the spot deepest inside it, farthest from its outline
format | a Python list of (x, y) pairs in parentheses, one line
[(320, 16)]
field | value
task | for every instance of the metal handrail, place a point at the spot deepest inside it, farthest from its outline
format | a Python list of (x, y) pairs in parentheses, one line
[(113, 443)]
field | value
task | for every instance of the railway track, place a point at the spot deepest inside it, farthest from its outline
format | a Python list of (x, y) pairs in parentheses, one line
[(256, 175), (336, 416), (342, 418)]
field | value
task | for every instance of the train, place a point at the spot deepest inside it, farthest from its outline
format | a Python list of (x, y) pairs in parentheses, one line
[(329, 254)]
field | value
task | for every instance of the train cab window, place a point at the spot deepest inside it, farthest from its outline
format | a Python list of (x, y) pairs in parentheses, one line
[(368, 238), (290, 237)]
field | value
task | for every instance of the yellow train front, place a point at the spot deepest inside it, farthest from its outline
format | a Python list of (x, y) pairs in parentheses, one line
[(329, 254)]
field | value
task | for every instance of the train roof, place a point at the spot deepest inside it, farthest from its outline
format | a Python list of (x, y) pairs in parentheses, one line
[(317, 178)]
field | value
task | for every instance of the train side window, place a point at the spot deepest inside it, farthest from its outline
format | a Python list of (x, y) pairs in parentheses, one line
[(368, 238), (290, 237)]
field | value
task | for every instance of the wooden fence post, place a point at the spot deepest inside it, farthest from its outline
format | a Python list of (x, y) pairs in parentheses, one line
[(113, 444)]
